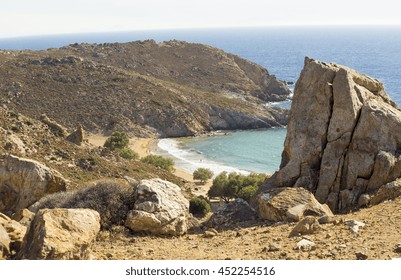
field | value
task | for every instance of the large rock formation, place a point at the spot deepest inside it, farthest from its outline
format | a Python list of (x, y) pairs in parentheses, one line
[(159, 208), (25, 181), (61, 234), (344, 137)]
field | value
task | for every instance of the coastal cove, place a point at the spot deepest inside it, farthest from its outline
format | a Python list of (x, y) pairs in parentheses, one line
[(371, 50), (281, 50), (232, 151)]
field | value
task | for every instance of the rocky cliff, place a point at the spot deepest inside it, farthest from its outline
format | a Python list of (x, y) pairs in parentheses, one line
[(344, 139), (169, 89)]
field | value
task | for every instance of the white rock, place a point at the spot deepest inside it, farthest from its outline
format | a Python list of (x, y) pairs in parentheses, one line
[(159, 208), (354, 225), (305, 245)]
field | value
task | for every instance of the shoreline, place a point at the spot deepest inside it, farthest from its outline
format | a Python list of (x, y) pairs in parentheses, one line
[(144, 147)]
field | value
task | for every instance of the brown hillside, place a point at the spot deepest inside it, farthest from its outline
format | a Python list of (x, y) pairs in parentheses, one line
[(145, 88), (28, 138)]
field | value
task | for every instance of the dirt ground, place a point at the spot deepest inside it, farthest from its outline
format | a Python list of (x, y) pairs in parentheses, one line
[(378, 239)]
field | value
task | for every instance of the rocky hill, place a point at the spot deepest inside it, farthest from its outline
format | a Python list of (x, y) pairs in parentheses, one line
[(28, 138), (169, 89)]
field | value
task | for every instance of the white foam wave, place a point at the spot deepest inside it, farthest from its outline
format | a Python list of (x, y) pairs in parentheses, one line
[(190, 160)]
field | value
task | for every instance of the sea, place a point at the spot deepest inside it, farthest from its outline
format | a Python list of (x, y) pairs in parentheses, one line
[(373, 50)]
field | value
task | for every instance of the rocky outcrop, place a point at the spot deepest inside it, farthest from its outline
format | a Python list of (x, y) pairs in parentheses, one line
[(289, 204), (159, 208), (25, 181), (231, 213), (77, 137), (61, 234), (343, 138)]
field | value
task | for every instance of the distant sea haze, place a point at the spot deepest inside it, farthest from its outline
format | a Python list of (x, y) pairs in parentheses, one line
[(373, 50)]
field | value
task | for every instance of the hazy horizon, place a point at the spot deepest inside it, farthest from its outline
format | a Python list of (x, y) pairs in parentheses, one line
[(217, 28), (46, 17)]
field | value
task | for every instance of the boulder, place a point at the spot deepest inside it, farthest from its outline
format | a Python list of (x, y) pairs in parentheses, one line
[(159, 208), (289, 204), (232, 213), (386, 192), (25, 181), (15, 231), (343, 138), (61, 234), (307, 226), (4, 243), (77, 137)]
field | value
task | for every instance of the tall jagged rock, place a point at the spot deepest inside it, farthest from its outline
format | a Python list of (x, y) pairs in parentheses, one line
[(343, 136)]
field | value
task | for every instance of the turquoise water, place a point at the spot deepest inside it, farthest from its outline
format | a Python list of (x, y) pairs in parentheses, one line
[(240, 151)]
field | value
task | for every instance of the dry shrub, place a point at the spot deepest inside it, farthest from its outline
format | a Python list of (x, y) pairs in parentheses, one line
[(110, 199)]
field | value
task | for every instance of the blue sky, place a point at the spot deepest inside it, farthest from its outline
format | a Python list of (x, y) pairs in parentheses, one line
[(33, 17)]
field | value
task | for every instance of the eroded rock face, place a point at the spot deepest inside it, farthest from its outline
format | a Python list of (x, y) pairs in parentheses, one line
[(61, 234), (25, 181), (343, 136), (159, 208)]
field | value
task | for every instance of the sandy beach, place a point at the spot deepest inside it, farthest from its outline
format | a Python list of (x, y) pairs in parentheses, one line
[(140, 145), (144, 147)]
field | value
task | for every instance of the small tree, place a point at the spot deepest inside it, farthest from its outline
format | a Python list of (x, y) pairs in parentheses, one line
[(203, 174), (247, 192), (128, 153), (159, 161), (116, 141), (234, 185), (199, 206)]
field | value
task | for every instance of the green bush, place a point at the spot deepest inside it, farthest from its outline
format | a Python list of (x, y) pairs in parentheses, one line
[(116, 141), (203, 174), (234, 185), (159, 161), (247, 192), (199, 206), (128, 153), (111, 200)]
